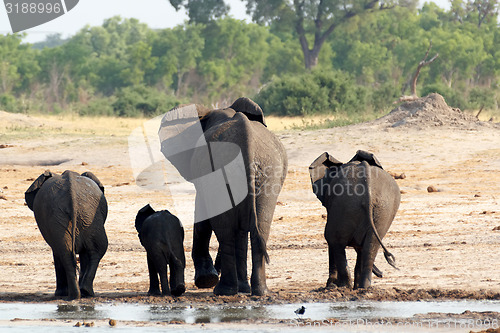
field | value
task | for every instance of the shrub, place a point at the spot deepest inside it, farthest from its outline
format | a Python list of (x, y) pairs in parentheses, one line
[(452, 97), (10, 103), (384, 95), (98, 107), (143, 101), (313, 92), (482, 97)]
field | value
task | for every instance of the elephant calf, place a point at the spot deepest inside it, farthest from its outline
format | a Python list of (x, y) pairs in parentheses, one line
[(361, 201), (70, 210), (162, 235)]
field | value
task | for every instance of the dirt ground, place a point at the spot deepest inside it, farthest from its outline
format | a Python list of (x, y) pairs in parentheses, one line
[(446, 243)]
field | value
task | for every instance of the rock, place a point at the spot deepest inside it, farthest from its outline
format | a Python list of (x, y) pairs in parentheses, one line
[(112, 322), (432, 189), (397, 175)]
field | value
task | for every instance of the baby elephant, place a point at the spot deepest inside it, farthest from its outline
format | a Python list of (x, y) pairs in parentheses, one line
[(70, 210), (162, 235), (361, 200)]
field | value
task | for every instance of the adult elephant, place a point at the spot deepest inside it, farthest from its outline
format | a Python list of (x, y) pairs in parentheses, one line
[(238, 168), (361, 201), (70, 210)]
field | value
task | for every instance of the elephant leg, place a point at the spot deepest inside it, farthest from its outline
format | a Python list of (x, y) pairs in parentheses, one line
[(162, 267), (258, 278), (368, 254), (357, 269), (87, 283), (90, 259), (177, 286), (332, 269), (68, 264), (217, 262), (84, 268), (228, 283), (205, 274), (61, 280), (154, 284), (241, 261), (343, 276)]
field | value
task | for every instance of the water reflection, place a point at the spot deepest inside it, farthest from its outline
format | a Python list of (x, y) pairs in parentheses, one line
[(206, 314), (78, 312), (217, 313)]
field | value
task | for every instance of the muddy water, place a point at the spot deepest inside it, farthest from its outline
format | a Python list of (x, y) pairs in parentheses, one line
[(361, 313)]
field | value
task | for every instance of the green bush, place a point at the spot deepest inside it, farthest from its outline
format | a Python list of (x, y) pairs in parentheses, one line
[(482, 97), (384, 95), (10, 103), (313, 92), (143, 101), (453, 98), (98, 107)]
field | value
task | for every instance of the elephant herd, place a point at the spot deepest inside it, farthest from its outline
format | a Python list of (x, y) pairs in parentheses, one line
[(238, 168)]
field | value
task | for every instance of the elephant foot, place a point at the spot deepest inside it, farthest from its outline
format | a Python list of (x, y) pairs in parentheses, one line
[(179, 290), (363, 284), (73, 296), (61, 293), (154, 292), (87, 292), (259, 291), (221, 290), (244, 287), (205, 275), (335, 283)]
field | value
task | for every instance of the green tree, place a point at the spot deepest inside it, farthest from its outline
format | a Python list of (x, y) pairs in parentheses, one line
[(202, 11), (178, 51), (313, 20), (233, 59), (18, 64)]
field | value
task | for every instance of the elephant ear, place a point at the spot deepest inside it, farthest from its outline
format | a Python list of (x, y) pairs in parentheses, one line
[(362, 155), (30, 194), (251, 109), (318, 168), (322, 170), (142, 215), (181, 131), (90, 175)]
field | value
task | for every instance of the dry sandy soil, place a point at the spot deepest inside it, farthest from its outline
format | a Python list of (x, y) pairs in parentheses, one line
[(446, 243)]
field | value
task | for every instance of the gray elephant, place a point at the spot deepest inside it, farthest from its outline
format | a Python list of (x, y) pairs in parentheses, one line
[(361, 201), (238, 168), (70, 211), (162, 235)]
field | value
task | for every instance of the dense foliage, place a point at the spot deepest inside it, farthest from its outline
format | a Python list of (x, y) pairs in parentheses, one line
[(125, 68)]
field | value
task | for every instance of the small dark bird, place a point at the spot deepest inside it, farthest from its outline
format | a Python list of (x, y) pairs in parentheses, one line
[(300, 311)]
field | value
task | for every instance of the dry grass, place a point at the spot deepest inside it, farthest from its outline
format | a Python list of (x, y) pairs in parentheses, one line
[(20, 126), (17, 126), (487, 115)]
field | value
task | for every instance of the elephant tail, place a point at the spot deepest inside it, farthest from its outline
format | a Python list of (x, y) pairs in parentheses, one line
[(255, 234), (389, 257), (74, 210)]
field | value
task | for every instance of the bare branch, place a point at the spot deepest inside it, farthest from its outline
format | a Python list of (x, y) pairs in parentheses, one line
[(419, 67), (422, 63)]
